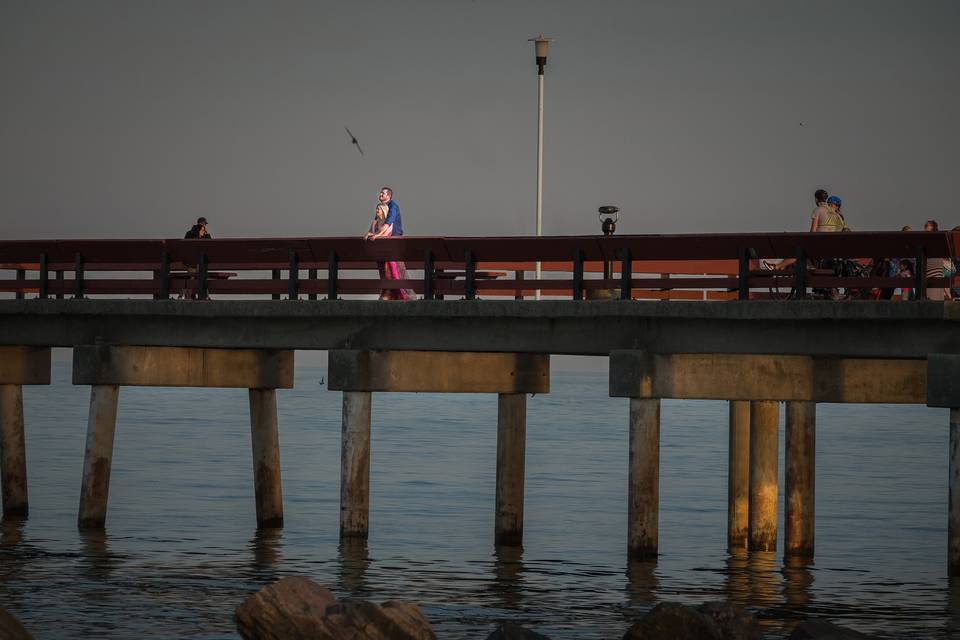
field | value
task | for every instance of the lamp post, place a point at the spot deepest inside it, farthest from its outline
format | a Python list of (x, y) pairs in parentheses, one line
[(541, 45), (608, 225)]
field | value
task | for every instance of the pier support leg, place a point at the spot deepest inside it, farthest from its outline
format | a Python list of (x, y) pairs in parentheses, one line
[(98, 456), (644, 478), (798, 492), (265, 443), (511, 449), (953, 518), (13, 452), (355, 465), (738, 478), (764, 453)]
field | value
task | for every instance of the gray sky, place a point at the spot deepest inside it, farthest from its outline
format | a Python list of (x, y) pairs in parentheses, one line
[(125, 119)]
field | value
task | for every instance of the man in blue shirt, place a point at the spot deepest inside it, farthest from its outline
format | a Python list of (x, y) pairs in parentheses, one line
[(393, 212)]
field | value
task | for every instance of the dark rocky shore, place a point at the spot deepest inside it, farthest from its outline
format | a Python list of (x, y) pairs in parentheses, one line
[(298, 608)]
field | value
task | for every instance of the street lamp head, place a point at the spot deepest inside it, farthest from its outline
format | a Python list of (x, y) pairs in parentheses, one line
[(541, 45), (608, 224)]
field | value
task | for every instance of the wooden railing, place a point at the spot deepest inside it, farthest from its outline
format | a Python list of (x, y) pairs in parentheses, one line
[(710, 267)]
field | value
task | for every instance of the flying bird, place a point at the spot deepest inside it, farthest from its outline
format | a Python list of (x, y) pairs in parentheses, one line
[(354, 140)]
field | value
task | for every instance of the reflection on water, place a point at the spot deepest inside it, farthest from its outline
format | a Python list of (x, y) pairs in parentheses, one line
[(354, 560), (97, 560), (181, 550), (641, 581), (266, 545), (507, 585), (11, 532)]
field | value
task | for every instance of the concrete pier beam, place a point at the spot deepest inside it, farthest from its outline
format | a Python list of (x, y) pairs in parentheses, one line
[(738, 475), (18, 366), (355, 465), (764, 453), (799, 475), (511, 452), (510, 375), (643, 488), (107, 367), (98, 456), (265, 443), (13, 452)]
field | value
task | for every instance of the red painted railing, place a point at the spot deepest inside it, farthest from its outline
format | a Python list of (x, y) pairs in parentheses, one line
[(714, 266)]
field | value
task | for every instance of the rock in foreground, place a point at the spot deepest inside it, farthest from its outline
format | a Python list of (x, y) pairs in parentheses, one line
[(298, 608), (823, 630), (510, 631), (11, 628), (711, 621), (673, 621)]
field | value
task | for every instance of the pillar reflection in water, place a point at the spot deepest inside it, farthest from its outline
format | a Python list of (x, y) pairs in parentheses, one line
[(953, 607), (354, 559), (797, 584), (98, 561), (508, 571), (12, 562), (641, 581), (765, 580), (267, 546), (738, 577)]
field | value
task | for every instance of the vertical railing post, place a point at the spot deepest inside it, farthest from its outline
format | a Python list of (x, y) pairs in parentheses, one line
[(44, 277), (333, 269), (800, 275), (59, 284), (21, 276), (520, 276), (275, 275), (626, 273), (202, 277), (293, 277), (428, 275), (164, 276), (920, 274), (743, 274), (311, 275), (470, 275), (78, 275), (578, 274)]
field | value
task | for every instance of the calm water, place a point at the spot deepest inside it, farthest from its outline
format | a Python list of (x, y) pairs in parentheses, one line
[(181, 549)]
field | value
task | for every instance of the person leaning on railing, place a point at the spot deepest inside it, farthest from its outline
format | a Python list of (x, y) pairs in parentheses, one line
[(937, 268)]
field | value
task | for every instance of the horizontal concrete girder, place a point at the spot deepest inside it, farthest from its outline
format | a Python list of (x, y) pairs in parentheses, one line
[(637, 374), (24, 365), (438, 371), (880, 329), (183, 367)]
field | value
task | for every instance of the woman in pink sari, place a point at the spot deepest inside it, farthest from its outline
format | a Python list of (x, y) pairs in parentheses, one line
[(392, 270)]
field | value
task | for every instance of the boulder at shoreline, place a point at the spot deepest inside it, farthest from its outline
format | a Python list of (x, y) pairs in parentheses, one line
[(823, 630), (710, 621), (11, 628), (298, 608)]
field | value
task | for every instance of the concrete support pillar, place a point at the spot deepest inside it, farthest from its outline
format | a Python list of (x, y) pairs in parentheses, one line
[(738, 475), (511, 450), (644, 478), (98, 456), (764, 453), (13, 452), (265, 443), (953, 517), (800, 434), (355, 465)]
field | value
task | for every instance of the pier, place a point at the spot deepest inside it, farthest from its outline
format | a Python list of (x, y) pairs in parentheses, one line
[(711, 332)]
